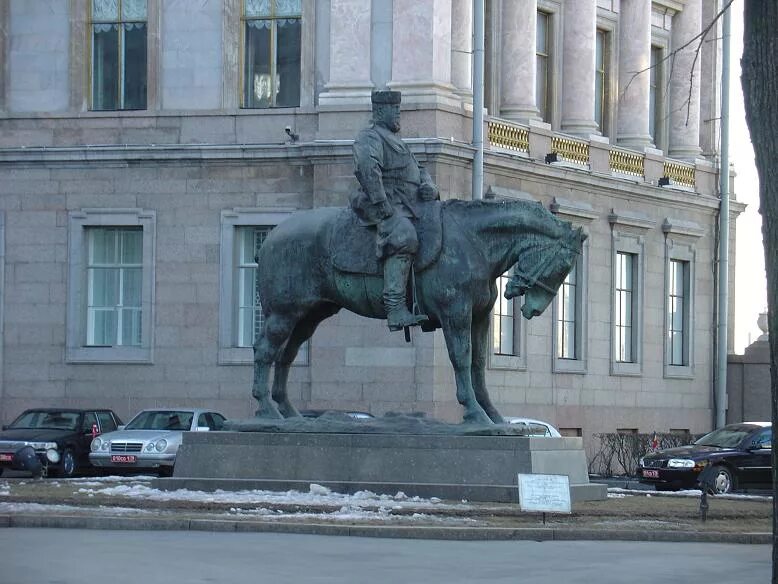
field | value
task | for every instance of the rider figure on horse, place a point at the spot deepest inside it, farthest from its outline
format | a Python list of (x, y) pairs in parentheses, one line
[(392, 185)]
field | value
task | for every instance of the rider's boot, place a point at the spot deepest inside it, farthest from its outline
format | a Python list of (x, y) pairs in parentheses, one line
[(396, 270)]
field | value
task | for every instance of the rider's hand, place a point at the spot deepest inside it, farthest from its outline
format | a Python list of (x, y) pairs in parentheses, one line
[(428, 192)]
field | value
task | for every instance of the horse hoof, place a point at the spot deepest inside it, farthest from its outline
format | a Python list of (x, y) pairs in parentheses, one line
[(477, 418)]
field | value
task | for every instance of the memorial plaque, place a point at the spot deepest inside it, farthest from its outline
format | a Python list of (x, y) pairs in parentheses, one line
[(544, 493)]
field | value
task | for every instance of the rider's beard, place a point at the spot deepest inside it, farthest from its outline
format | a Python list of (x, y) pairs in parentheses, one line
[(393, 125)]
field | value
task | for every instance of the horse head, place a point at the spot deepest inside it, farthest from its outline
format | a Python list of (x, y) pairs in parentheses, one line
[(543, 267)]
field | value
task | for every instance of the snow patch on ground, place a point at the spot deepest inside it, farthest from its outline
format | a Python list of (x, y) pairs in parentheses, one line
[(317, 495), (65, 509), (694, 493)]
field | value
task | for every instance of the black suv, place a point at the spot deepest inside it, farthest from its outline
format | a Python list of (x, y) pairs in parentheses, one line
[(53, 441)]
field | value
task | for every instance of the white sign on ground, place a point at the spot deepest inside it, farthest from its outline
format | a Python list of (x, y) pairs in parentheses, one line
[(544, 493)]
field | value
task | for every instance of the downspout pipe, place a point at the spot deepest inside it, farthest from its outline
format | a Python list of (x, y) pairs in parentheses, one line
[(723, 274), (478, 99)]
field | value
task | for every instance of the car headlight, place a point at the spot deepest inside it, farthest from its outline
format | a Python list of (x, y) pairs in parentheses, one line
[(156, 445), (96, 444), (680, 463), (43, 445), (106, 444), (52, 455), (641, 462)]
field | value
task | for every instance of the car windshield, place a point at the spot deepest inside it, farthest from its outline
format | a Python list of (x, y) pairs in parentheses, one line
[(161, 420), (727, 437), (47, 419)]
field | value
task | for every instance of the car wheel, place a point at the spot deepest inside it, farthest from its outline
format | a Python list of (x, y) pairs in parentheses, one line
[(68, 465), (722, 480)]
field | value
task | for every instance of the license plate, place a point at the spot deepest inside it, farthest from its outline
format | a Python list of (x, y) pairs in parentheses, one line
[(651, 474), (6, 457), (125, 458)]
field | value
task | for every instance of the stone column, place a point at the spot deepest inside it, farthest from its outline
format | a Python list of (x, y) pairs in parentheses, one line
[(685, 84), (350, 82), (421, 52), (462, 47), (579, 48), (634, 87), (517, 100), (710, 82)]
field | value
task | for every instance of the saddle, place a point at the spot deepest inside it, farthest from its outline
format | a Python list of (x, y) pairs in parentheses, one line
[(353, 249)]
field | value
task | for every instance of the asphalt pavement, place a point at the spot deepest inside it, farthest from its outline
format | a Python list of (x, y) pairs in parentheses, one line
[(65, 556)]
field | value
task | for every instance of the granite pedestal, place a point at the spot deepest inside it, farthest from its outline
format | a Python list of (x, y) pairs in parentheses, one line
[(476, 468)]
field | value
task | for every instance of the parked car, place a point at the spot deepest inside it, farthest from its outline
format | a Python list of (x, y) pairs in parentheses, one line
[(151, 439), (53, 441), (350, 413), (740, 455), (535, 427)]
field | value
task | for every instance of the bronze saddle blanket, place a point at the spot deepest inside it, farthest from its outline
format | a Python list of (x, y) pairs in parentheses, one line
[(353, 246)]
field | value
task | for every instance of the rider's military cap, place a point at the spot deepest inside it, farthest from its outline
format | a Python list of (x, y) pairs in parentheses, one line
[(385, 96)]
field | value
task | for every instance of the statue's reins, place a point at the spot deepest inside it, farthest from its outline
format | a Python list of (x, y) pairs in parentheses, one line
[(527, 281)]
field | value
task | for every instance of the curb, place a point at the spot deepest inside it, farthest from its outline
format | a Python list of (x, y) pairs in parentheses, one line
[(397, 532)]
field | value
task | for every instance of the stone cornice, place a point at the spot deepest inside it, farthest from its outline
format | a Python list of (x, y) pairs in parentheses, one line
[(630, 219), (575, 209), (679, 227)]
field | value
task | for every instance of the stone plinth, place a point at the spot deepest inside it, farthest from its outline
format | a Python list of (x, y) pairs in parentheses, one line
[(476, 468)]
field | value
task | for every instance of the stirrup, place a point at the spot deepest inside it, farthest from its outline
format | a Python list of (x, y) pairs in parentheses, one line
[(406, 320)]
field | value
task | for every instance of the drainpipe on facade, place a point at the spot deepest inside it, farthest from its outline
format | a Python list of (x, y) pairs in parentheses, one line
[(478, 99), (723, 301)]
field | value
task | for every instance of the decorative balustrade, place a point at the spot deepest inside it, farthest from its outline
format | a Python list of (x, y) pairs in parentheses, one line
[(597, 155), (509, 136), (682, 174), (575, 151), (632, 163)]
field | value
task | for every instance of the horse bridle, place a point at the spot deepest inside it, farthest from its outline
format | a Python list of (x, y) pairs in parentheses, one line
[(531, 280)]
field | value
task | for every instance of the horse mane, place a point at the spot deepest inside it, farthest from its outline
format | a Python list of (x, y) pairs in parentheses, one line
[(507, 213)]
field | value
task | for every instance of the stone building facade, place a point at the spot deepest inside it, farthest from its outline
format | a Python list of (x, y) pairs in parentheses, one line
[(146, 146)]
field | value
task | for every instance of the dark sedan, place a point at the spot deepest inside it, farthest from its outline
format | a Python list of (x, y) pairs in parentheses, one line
[(53, 441), (739, 456)]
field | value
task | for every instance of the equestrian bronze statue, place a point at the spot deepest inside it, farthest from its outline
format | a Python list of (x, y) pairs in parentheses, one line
[(321, 260)]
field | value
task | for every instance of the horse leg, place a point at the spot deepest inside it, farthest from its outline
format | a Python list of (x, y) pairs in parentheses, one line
[(275, 332), (302, 332), (480, 333), (459, 344)]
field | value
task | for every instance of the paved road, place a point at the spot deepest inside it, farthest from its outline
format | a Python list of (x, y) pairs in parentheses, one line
[(63, 556)]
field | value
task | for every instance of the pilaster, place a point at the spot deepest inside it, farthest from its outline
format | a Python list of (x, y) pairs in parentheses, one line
[(634, 73), (421, 52), (518, 61), (685, 84), (579, 53), (350, 34)]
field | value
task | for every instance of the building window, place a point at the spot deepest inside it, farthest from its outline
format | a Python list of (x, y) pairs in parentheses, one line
[(504, 322), (271, 56), (114, 283), (240, 309), (678, 313), (542, 50), (567, 317), (601, 80), (624, 339), (655, 110), (119, 54), (627, 291), (110, 286)]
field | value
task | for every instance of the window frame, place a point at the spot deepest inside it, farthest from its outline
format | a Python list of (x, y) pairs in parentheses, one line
[(79, 221), (228, 352), (625, 291), (679, 251), (150, 5), (635, 246), (544, 109), (517, 360), (580, 214), (242, 88)]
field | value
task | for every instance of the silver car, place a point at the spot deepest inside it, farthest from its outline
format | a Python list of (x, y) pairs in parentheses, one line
[(151, 439), (535, 427)]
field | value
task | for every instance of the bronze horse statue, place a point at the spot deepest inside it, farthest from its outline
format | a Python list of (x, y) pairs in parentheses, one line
[(481, 240)]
